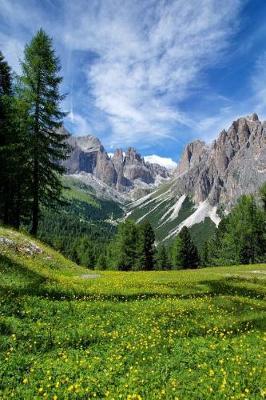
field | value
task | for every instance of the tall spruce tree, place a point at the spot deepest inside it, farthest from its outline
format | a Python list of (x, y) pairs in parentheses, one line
[(175, 253), (146, 247), (241, 235), (101, 262), (189, 257), (20, 179), (162, 259), (205, 254), (244, 240), (5, 78), (124, 254), (5, 137), (40, 89), (216, 244)]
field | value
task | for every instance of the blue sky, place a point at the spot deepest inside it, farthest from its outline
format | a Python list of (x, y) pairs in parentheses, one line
[(154, 74)]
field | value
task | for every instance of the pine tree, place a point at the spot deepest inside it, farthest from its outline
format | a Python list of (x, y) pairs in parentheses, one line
[(14, 196), (241, 236), (19, 168), (146, 248), (175, 253), (40, 89), (86, 252), (189, 257), (5, 78), (215, 245), (5, 137), (124, 247), (205, 254), (162, 259), (244, 240), (101, 262)]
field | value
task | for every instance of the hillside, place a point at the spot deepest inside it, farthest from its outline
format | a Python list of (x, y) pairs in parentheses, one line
[(70, 333), (168, 215), (84, 214), (208, 179)]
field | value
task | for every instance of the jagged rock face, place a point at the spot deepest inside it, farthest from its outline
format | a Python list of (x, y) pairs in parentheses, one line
[(121, 171), (233, 165), (118, 162), (136, 168), (194, 153), (84, 153), (157, 170), (104, 169)]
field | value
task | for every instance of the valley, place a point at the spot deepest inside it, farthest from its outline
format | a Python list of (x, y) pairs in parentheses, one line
[(206, 183), (132, 200)]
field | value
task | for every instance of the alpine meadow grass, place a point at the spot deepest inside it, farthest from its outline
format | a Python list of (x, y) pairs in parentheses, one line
[(68, 333)]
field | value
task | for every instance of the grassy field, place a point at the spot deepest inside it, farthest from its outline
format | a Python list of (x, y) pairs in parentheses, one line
[(70, 333)]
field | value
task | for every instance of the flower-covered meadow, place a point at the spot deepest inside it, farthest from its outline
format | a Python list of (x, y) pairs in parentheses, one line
[(69, 334)]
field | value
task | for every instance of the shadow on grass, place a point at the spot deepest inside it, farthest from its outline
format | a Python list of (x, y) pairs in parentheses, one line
[(227, 287), (31, 283), (34, 284), (8, 266)]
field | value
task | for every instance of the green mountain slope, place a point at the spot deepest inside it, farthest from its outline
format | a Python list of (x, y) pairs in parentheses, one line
[(83, 216), (167, 210)]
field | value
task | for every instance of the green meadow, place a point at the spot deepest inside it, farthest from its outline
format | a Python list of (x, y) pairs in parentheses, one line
[(70, 333)]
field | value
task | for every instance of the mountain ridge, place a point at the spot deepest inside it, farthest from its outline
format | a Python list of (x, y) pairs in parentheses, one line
[(208, 178), (234, 164), (124, 172)]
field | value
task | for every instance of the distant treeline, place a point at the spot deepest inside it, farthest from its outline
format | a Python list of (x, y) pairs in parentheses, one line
[(81, 240), (239, 239)]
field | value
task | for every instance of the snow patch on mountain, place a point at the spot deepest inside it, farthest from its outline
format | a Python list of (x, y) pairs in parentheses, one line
[(204, 210), (174, 210), (151, 210)]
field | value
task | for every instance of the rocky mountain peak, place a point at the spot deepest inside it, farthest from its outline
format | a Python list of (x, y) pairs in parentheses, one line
[(234, 164), (86, 143), (118, 155), (132, 156), (122, 171), (253, 117), (192, 155)]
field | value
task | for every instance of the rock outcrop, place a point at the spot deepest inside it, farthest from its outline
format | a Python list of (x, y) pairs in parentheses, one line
[(123, 171), (233, 165)]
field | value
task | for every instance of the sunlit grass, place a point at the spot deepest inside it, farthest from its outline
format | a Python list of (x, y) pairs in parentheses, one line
[(137, 335)]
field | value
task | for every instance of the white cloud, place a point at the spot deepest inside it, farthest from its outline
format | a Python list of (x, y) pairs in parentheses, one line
[(142, 59), (79, 123), (12, 49), (163, 161), (150, 56)]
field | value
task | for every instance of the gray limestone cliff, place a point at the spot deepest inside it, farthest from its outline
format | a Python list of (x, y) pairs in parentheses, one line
[(234, 164), (123, 171)]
